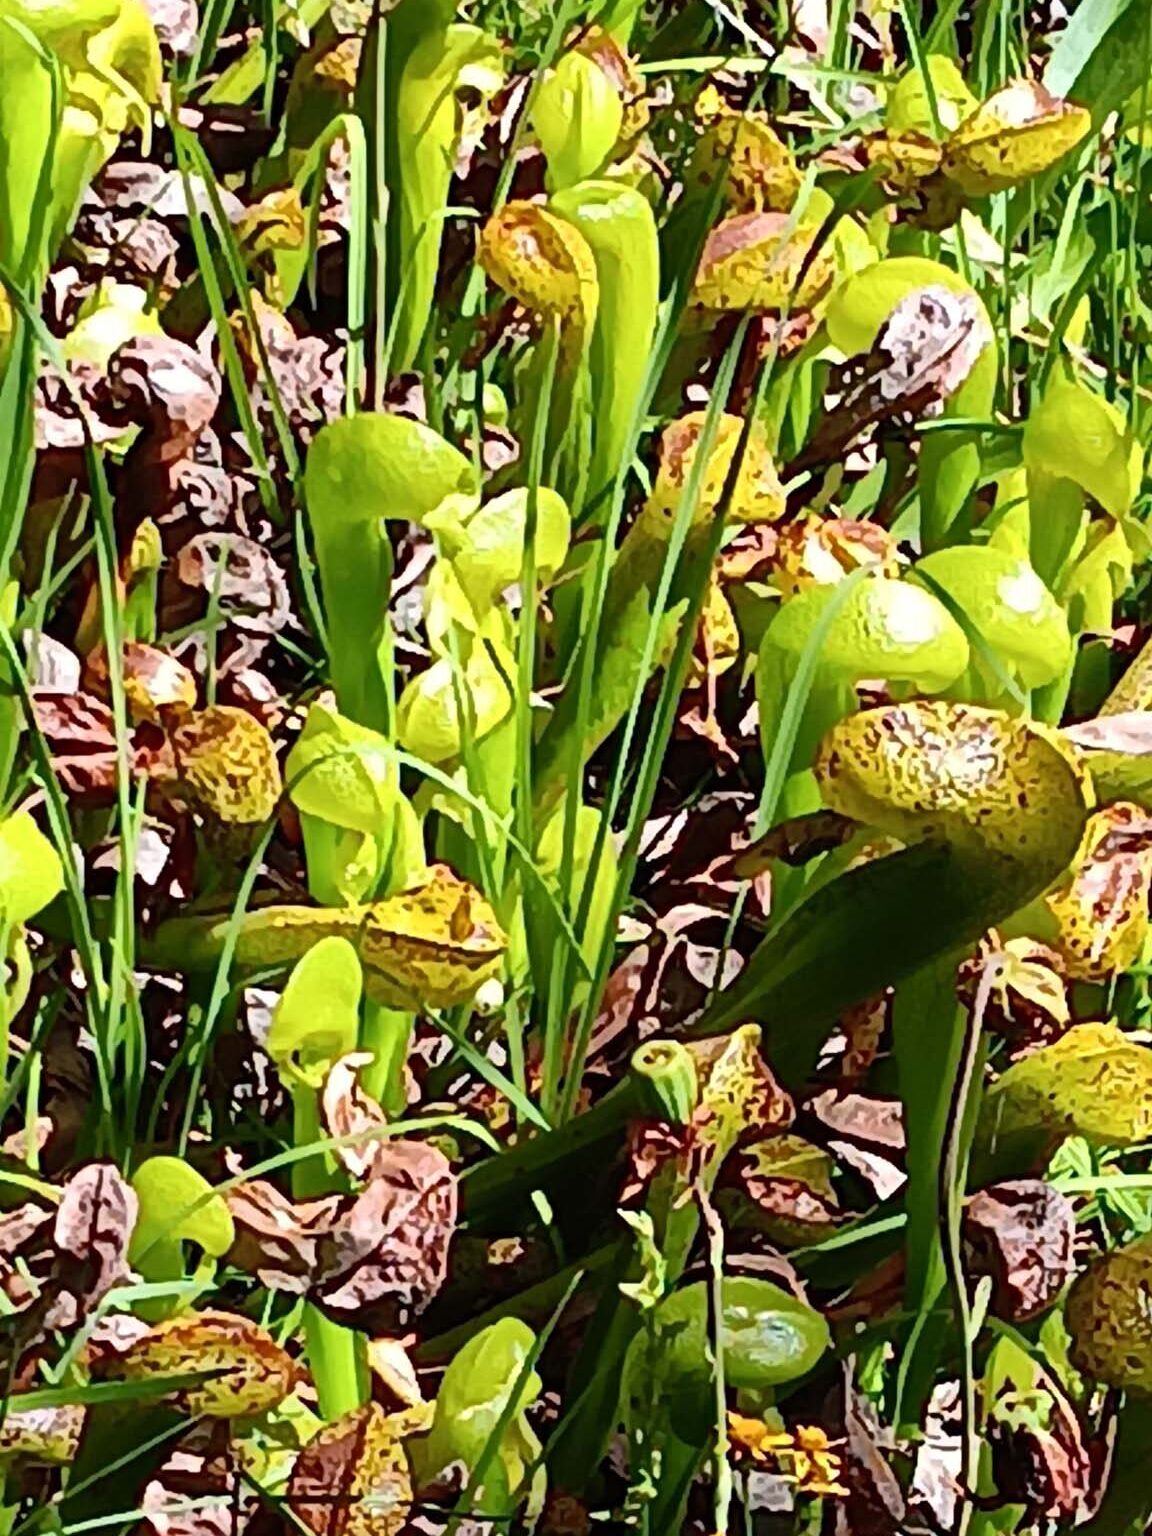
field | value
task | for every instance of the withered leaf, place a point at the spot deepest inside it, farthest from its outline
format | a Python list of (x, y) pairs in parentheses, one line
[(1129, 732), (353, 1478), (348, 1111), (1101, 911), (782, 1186), (1047, 1470), (823, 550), (387, 1255), (307, 371), (240, 577), (49, 1435), (167, 388), (1022, 1234), (276, 1238), (199, 1492), (1020, 131), (875, 1505), (154, 681), (795, 842), (176, 23), (94, 1222), (371, 1260), (81, 738), (925, 351), (254, 1372), (1028, 1001)]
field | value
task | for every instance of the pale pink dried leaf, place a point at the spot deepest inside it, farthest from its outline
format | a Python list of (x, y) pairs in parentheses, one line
[(387, 1255), (1022, 1234), (349, 1111), (277, 1238), (240, 577)]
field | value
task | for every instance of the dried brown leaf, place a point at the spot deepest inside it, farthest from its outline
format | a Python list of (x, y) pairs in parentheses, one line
[(167, 388), (782, 1186), (349, 1111), (1021, 1234), (1101, 911), (240, 577), (387, 1254), (94, 1222), (1028, 1000), (353, 1478), (277, 1238)]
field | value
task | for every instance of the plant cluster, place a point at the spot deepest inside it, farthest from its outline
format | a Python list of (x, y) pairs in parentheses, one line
[(576, 766)]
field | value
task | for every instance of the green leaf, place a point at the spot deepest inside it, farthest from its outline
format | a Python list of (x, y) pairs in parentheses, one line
[(577, 116), (365, 468), (31, 874), (426, 124), (177, 1205), (361, 470), (486, 1384), (485, 543), (429, 720), (769, 1337), (909, 105), (1008, 606), (620, 229), (1075, 434), (342, 772), (317, 1018), (550, 861), (886, 629)]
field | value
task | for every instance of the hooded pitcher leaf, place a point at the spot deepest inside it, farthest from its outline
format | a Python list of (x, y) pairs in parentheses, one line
[(248, 1371), (1018, 132)]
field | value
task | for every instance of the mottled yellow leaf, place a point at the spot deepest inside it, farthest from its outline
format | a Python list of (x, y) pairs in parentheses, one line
[(254, 1372), (226, 762), (758, 496), (1093, 1082), (820, 551), (989, 785), (761, 169), (1110, 1321), (544, 263), (1017, 133), (762, 261)]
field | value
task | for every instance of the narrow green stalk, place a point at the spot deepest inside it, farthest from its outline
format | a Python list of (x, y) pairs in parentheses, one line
[(387, 1033), (336, 1355)]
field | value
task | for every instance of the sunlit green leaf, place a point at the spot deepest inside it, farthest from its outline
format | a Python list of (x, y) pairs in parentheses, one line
[(31, 874), (317, 1018), (1009, 607), (1075, 434), (577, 116), (913, 107), (486, 1383)]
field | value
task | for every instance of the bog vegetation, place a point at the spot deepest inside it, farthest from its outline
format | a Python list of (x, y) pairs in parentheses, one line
[(576, 767)]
